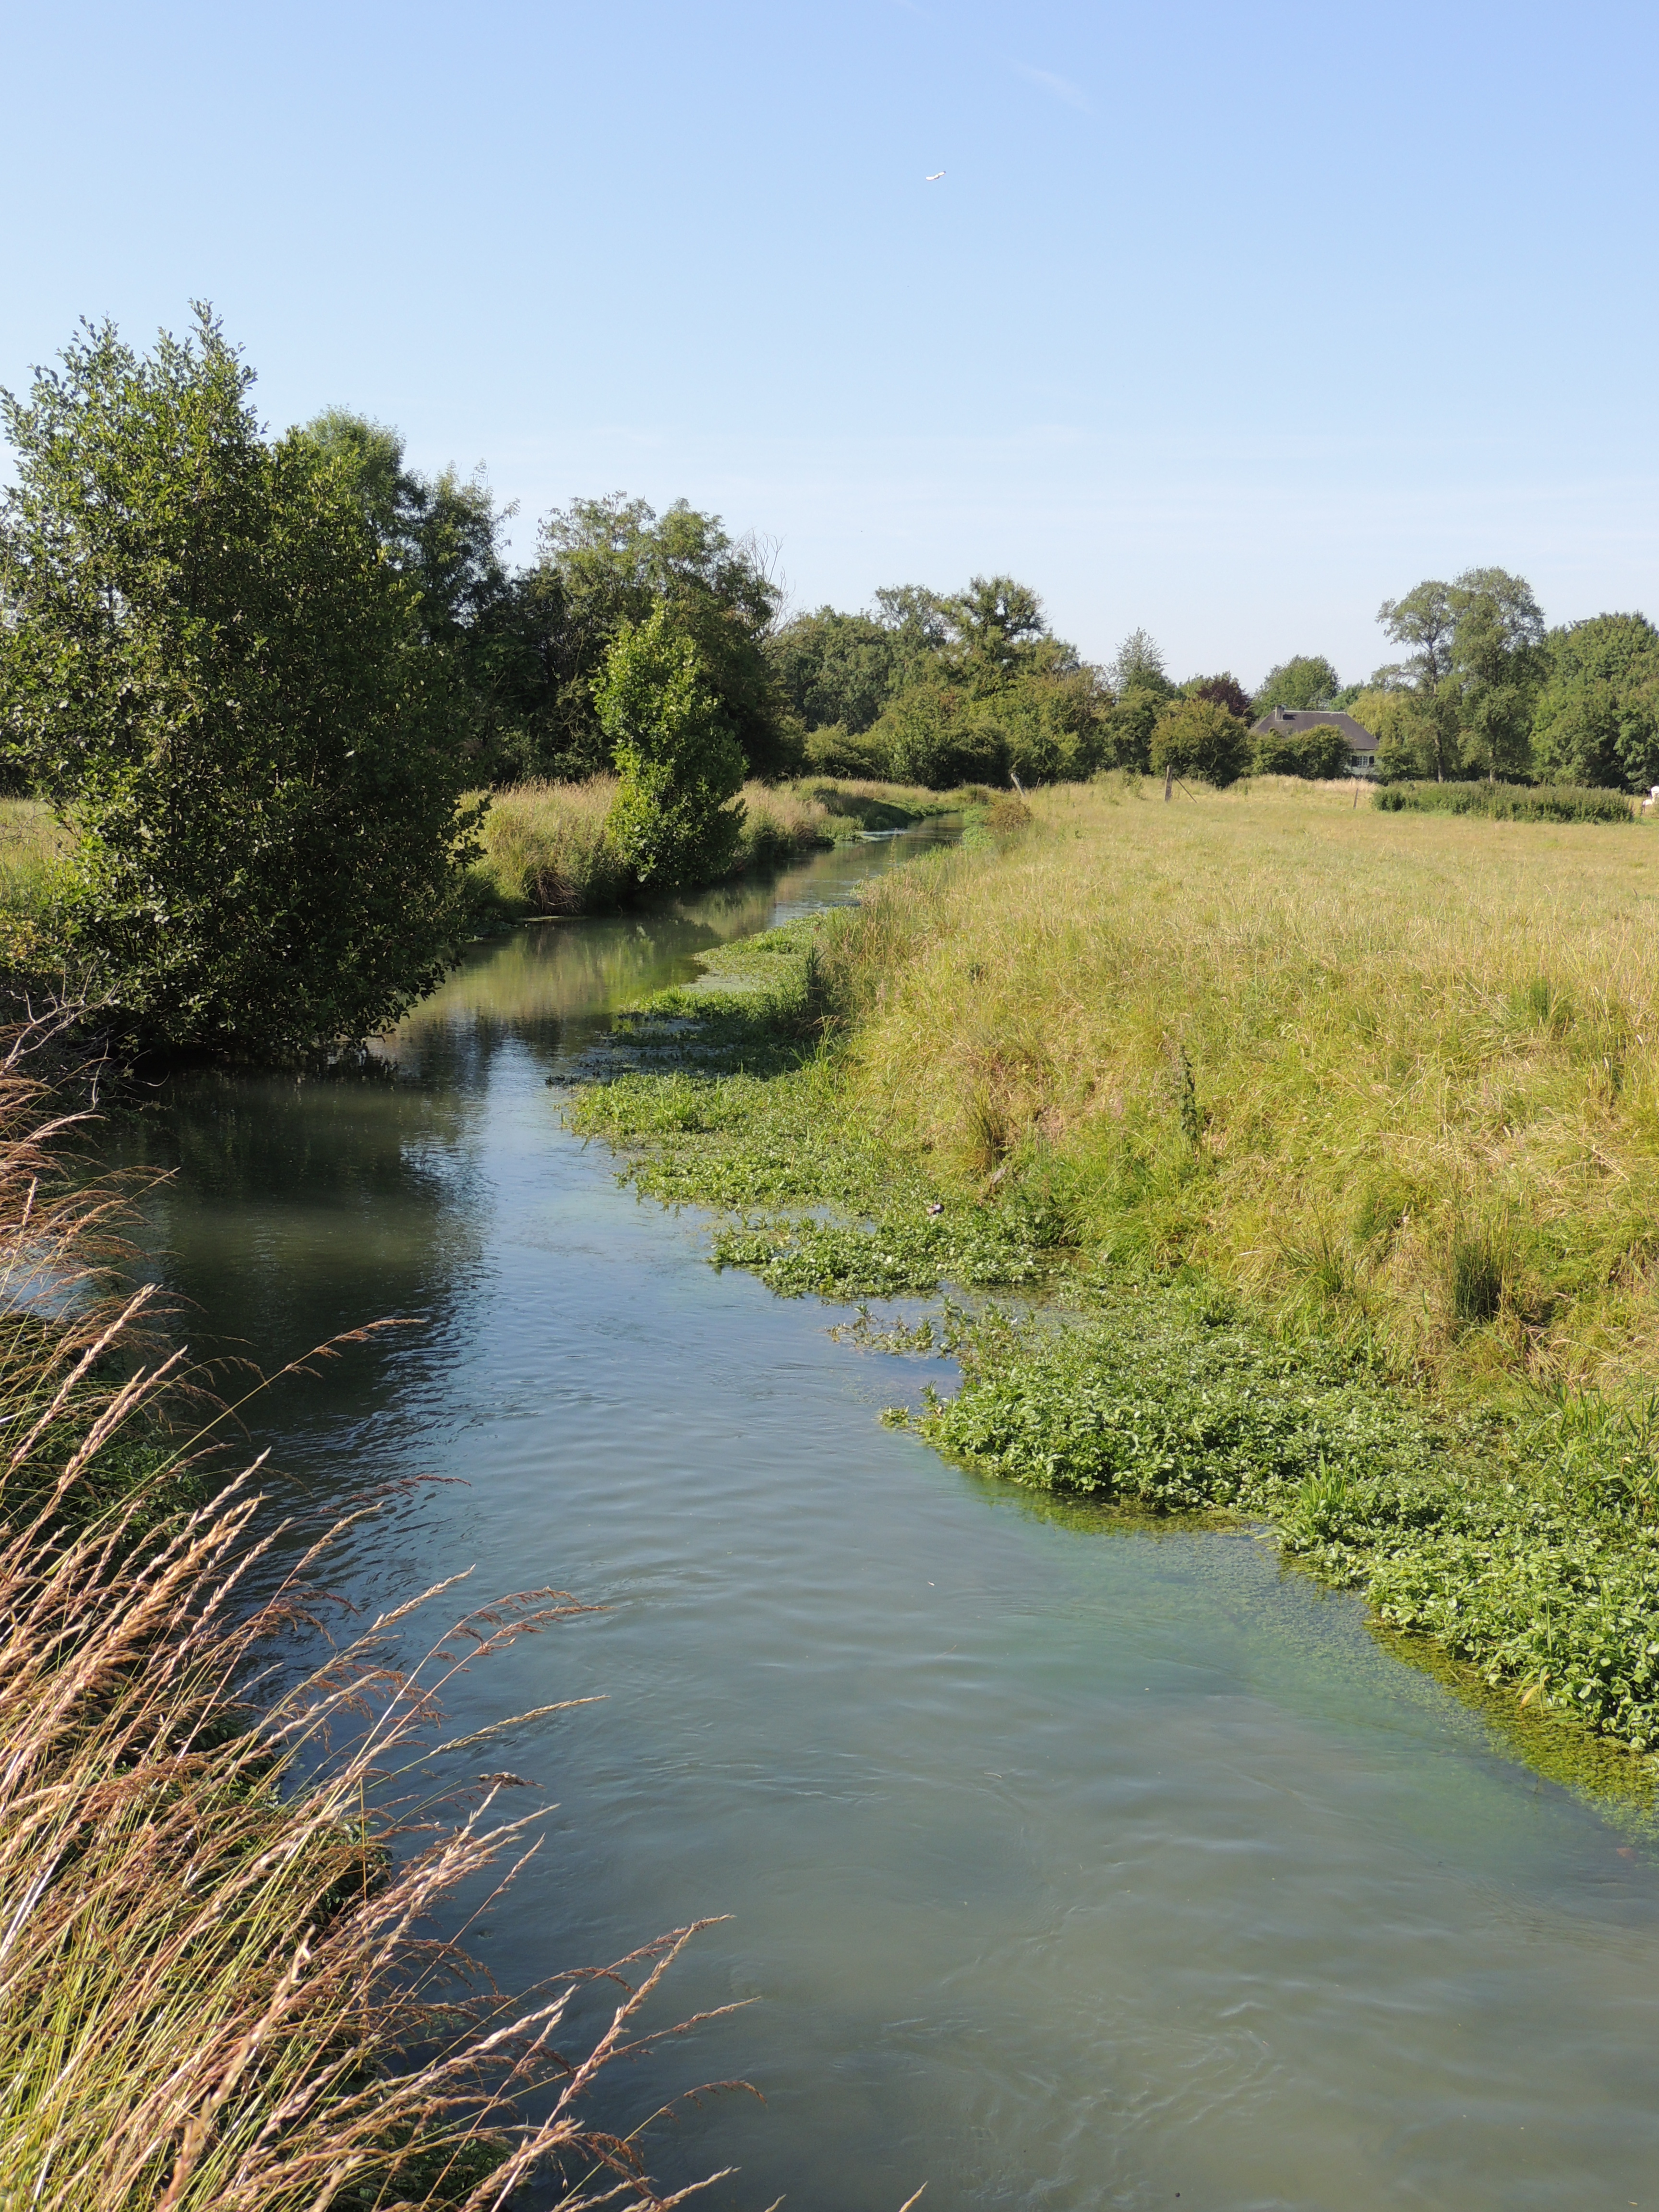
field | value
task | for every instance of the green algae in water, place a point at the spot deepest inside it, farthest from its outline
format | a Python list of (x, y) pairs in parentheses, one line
[(1520, 1554)]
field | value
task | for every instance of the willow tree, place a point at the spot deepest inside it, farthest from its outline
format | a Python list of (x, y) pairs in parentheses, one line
[(209, 667)]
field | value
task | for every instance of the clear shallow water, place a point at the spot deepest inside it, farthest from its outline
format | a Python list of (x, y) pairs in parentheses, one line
[(1071, 1867)]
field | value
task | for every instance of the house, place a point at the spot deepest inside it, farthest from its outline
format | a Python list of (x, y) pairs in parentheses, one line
[(1362, 745)]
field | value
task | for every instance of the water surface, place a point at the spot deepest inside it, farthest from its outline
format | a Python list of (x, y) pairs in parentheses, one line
[(1071, 1867)]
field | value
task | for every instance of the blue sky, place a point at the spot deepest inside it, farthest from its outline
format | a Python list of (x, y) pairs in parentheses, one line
[(1228, 320)]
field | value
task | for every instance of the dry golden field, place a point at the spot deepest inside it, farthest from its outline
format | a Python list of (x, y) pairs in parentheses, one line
[(1392, 1074)]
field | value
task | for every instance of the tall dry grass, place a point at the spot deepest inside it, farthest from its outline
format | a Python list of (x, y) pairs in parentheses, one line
[(221, 1981), (33, 847), (1394, 1073), (546, 850)]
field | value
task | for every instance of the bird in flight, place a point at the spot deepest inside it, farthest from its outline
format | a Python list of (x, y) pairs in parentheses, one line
[(934, 178)]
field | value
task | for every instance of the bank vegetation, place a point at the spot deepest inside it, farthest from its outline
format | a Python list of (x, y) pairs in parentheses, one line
[(1336, 1133)]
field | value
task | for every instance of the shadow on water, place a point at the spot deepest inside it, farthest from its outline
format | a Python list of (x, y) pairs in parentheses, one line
[(300, 1207), (1069, 1872)]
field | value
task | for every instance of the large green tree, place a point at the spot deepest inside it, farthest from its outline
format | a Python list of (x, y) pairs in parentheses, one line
[(1139, 691), (1597, 721), (444, 533), (1472, 674), (607, 563), (999, 636), (1498, 665), (835, 669), (1138, 666), (208, 666), (1306, 680)]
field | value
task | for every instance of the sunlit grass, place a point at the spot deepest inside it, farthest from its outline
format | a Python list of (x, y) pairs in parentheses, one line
[(34, 847), (546, 850), (1398, 1072)]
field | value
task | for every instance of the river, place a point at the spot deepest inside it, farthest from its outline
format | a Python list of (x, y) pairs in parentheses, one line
[(1071, 1867)]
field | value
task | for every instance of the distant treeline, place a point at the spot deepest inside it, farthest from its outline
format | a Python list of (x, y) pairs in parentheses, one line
[(940, 688), (966, 686), (264, 682), (924, 687), (1486, 689)]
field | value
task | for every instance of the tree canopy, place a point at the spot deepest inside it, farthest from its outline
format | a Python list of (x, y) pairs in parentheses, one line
[(1597, 719), (209, 669), (605, 563), (1471, 678), (832, 668), (1307, 680), (1225, 689), (942, 688)]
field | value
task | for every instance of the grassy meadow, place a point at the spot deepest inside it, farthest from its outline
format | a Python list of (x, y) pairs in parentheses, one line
[(1395, 1075), (1328, 1140)]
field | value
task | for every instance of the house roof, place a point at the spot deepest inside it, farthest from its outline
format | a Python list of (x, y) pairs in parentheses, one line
[(1359, 737)]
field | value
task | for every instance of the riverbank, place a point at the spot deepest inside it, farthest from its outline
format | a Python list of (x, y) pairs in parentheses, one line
[(221, 1874), (1333, 1134), (546, 850)]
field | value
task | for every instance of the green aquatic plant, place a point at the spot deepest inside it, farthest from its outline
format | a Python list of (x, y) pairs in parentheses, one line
[(1516, 1536)]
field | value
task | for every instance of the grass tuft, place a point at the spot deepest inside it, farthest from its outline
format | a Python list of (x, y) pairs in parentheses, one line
[(1479, 1270)]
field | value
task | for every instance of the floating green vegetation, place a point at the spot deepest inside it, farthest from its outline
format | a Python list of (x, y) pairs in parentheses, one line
[(1553, 1742), (1519, 1548)]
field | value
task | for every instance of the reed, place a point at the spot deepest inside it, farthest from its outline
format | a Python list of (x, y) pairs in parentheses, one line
[(218, 1981), (1509, 802), (34, 845), (546, 850)]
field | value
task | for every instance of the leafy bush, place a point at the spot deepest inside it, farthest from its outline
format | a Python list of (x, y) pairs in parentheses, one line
[(1199, 736), (1318, 751), (930, 734), (679, 762), (1507, 802), (835, 750)]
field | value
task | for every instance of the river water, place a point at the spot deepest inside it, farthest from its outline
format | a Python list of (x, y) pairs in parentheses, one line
[(1070, 1867)]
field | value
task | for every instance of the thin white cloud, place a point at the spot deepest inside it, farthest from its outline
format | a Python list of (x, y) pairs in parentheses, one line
[(1058, 87)]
